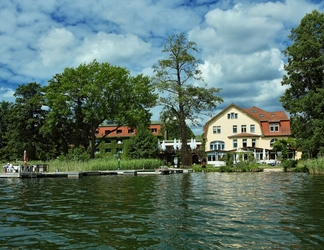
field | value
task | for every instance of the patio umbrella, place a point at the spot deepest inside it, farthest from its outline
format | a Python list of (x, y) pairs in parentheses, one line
[(191, 144), (163, 146), (179, 144), (25, 157)]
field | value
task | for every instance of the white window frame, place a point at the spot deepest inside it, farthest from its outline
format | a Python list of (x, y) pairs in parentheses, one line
[(252, 128), (274, 127), (234, 129), (217, 129)]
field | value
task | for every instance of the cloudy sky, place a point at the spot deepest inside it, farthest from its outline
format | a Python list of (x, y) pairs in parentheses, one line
[(240, 41)]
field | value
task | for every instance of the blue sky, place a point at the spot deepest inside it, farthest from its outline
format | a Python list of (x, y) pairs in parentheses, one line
[(240, 41)]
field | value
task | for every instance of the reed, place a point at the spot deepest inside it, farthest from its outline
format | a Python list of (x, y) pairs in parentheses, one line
[(313, 166), (101, 164)]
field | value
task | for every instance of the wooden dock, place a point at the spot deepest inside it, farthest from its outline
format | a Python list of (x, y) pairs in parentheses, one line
[(77, 175)]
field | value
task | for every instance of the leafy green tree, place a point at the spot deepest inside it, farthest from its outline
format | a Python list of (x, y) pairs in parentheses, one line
[(170, 129), (284, 146), (5, 108), (143, 145), (184, 95), (26, 118), (82, 98), (304, 96)]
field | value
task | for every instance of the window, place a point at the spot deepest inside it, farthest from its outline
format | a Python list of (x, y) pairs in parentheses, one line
[(130, 131), (97, 132), (108, 150), (119, 131), (216, 129), (107, 140), (235, 143), (211, 157), (272, 142), (243, 128), (97, 151), (153, 130), (217, 145), (107, 132), (244, 143), (234, 129), (253, 143), (252, 128), (274, 127), (232, 115)]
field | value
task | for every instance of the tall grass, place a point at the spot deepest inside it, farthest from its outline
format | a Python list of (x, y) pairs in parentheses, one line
[(313, 166), (100, 164)]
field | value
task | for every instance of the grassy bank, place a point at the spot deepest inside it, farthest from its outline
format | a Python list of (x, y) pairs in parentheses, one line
[(243, 167), (100, 164), (313, 166)]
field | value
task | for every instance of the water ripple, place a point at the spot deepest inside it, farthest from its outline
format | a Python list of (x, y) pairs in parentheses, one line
[(181, 211)]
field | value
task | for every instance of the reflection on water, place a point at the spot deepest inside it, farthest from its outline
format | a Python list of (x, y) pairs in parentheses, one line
[(181, 211)]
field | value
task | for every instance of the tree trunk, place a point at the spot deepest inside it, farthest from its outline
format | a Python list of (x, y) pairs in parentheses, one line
[(185, 157), (93, 143)]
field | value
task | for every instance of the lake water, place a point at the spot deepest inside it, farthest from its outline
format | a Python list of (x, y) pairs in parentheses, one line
[(179, 211)]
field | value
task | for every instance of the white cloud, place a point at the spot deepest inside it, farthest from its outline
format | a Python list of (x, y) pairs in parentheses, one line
[(56, 47), (7, 94), (240, 45), (117, 49)]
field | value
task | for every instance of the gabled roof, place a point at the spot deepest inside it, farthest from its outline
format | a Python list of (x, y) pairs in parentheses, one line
[(260, 116)]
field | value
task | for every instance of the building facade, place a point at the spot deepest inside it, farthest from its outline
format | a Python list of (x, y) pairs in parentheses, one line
[(112, 138), (237, 129)]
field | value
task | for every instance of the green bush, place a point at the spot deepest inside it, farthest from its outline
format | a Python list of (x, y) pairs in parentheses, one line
[(289, 164)]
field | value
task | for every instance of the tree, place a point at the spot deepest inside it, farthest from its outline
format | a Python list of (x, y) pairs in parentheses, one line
[(26, 118), (184, 95), (304, 96), (170, 129), (284, 146), (5, 108), (82, 98), (143, 145)]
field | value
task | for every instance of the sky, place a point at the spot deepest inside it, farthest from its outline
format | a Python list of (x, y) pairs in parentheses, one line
[(240, 42)]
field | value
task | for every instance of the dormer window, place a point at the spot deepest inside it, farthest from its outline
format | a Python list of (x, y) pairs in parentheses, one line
[(274, 127)]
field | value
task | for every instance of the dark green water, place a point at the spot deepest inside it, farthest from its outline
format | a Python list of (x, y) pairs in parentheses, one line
[(181, 211)]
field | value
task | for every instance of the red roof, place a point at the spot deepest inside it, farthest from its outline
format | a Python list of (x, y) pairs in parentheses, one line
[(265, 119)]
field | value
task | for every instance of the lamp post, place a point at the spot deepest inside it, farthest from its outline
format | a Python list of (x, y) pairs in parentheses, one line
[(118, 154), (176, 147)]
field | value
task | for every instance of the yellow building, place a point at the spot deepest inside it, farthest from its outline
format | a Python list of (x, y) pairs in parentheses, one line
[(237, 129)]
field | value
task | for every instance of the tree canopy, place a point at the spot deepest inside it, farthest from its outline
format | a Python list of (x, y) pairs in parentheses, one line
[(26, 117), (304, 96), (143, 145), (184, 95), (82, 98)]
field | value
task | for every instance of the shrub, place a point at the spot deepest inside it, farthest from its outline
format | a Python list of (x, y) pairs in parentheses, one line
[(288, 164)]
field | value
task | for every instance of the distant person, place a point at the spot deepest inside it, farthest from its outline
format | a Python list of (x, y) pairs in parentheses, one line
[(6, 167), (203, 163)]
